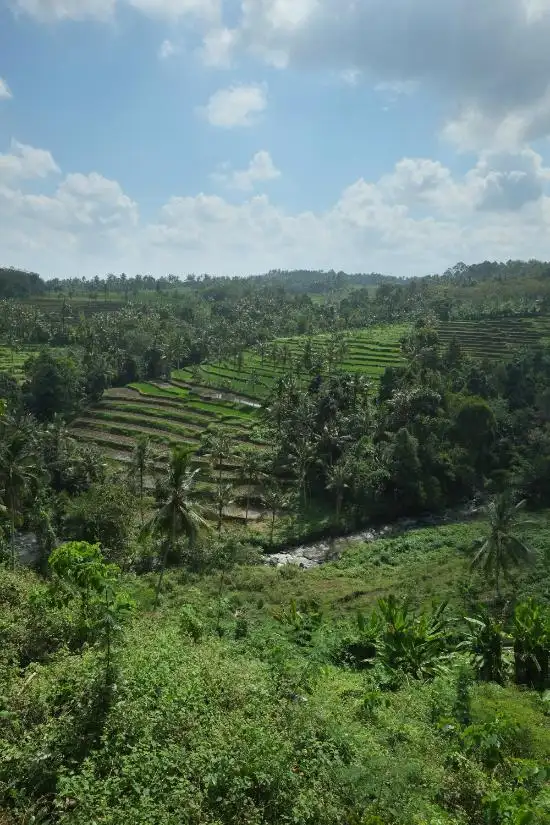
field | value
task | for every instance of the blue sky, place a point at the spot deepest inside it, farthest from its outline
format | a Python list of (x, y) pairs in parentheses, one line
[(233, 136)]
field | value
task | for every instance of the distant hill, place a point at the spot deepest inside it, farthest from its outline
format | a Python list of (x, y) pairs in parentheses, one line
[(17, 283), (496, 271), (320, 282)]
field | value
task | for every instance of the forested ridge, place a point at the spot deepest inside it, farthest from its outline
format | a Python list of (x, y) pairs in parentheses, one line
[(161, 440)]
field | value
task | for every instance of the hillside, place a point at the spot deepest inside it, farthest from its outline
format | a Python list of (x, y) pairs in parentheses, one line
[(250, 697), (496, 338), (329, 608), (228, 395)]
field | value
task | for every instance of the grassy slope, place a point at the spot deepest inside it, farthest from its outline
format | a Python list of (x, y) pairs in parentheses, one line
[(368, 352), (264, 729), (12, 361), (425, 564), (399, 754), (170, 413), (496, 337)]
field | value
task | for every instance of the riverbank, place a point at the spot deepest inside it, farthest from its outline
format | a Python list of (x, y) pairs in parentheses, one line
[(329, 548)]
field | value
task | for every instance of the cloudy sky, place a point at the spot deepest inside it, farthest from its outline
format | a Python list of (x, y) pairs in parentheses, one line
[(236, 136)]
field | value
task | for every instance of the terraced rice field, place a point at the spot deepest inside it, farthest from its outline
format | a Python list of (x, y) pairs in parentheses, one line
[(12, 361), (228, 394), (256, 372), (75, 307), (496, 338), (168, 414)]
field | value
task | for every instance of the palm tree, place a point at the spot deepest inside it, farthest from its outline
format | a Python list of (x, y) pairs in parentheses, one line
[(501, 549), (177, 512), (301, 456), (249, 473), (59, 449), (18, 468), (218, 448), (338, 478), (275, 500), (223, 497), (142, 463)]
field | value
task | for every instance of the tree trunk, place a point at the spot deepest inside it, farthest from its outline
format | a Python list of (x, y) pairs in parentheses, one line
[(108, 679), (141, 494), (272, 528), (247, 507), (163, 564), (12, 530), (220, 596), (164, 561)]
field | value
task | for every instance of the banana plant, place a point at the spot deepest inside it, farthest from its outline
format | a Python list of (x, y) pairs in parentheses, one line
[(531, 634), (485, 641), (416, 645)]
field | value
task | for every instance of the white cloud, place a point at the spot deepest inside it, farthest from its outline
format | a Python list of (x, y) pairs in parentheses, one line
[(507, 181), (261, 169), (205, 9), (418, 218), (218, 47), (26, 162), (166, 49), (104, 9), (66, 9), (351, 76), (282, 16), (236, 106), (5, 93), (394, 89), (85, 224), (489, 62), (474, 127)]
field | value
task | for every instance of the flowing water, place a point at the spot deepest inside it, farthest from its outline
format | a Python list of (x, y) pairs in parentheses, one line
[(315, 553)]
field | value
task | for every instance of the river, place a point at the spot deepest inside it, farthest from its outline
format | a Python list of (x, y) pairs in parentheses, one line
[(320, 552)]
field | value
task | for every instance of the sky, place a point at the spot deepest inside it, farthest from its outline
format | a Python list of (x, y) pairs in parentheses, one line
[(238, 136)]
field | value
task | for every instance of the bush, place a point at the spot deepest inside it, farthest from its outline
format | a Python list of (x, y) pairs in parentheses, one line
[(103, 514)]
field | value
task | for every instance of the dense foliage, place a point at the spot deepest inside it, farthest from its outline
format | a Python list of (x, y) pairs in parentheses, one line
[(153, 667)]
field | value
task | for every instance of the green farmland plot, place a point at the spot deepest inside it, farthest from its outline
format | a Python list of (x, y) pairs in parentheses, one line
[(255, 372), (12, 360), (226, 395), (496, 337), (169, 415)]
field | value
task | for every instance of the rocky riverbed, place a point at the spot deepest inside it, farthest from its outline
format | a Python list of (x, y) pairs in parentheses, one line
[(313, 554), (306, 555)]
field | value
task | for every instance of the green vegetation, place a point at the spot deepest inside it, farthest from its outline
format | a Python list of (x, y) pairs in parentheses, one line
[(166, 656), (496, 338), (255, 372), (274, 695), (12, 361), (168, 416)]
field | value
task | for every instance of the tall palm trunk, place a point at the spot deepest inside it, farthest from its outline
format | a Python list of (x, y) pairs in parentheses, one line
[(220, 597), (141, 495), (164, 560), (272, 528), (339, 501), (12, 530)]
